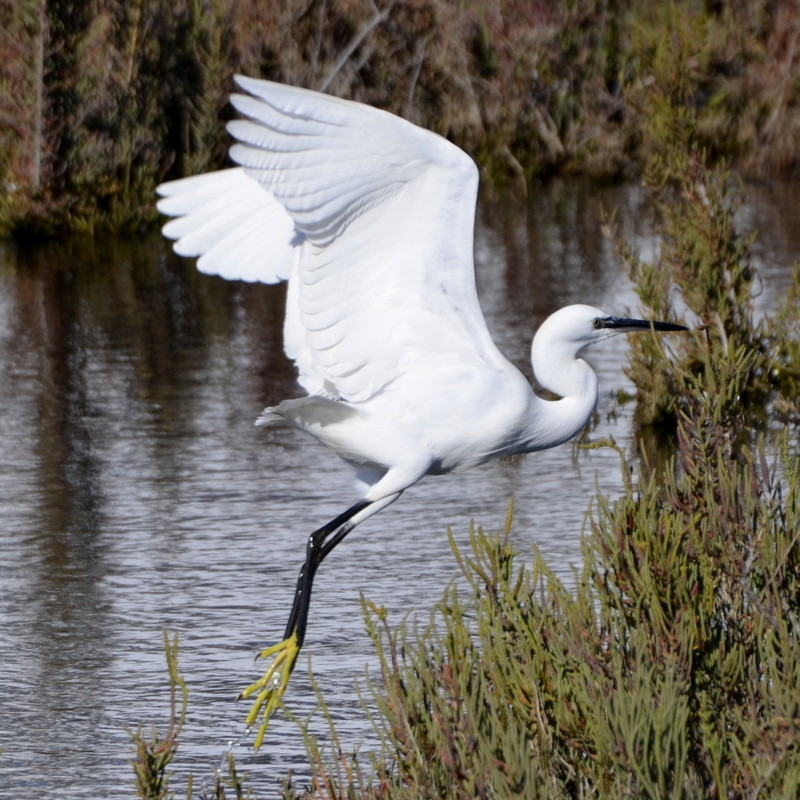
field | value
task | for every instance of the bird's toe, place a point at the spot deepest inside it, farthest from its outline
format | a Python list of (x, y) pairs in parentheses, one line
[(269, 689)]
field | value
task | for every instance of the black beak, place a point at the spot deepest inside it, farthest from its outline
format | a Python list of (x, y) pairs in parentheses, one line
[(621, 324)]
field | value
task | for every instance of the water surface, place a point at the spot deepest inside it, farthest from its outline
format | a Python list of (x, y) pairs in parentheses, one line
[(135, 492)]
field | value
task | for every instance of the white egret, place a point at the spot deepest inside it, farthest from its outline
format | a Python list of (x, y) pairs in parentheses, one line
[(370, 220)]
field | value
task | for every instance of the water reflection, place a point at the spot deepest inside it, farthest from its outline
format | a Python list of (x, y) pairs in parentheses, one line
[(136, 494)]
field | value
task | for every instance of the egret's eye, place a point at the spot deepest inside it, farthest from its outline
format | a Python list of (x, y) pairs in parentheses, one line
[(596, 322)]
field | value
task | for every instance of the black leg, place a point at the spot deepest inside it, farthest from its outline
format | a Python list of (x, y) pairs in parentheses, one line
[(271, 687), (316, 551)]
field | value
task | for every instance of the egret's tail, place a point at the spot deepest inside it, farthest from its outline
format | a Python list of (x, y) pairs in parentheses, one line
[(272, 418), (306, 413)]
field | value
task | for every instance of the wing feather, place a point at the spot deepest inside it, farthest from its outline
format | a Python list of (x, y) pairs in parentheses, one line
[(369, 217), (238, 230)]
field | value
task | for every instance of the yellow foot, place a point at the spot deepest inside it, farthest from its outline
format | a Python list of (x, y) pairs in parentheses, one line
[(271, 687)]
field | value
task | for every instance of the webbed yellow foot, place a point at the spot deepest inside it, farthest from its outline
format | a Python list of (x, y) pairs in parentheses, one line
[(271, 687)]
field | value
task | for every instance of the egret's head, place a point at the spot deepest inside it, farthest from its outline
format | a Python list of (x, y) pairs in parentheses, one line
[(564, 334), (579, 326)]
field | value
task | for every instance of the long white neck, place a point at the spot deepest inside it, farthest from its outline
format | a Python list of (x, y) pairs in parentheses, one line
[(557, 368)]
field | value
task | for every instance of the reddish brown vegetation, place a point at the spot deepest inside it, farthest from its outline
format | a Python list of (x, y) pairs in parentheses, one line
[(101, 100)]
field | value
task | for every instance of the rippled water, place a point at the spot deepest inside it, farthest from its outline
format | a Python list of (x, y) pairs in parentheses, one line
[(135, 492)]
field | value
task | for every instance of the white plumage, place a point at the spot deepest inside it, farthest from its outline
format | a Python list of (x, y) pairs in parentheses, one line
[(370, 220)]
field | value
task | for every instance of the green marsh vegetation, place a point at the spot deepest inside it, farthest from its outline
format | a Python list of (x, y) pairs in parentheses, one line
[(102, 100), (154, 755)]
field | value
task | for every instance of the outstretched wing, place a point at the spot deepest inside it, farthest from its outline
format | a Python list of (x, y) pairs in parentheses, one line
[(368, 216)]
